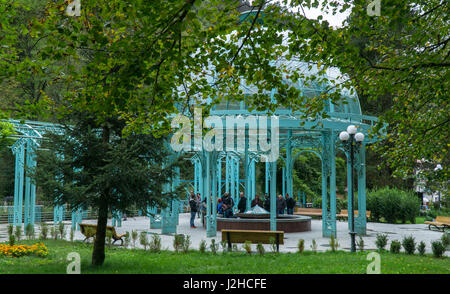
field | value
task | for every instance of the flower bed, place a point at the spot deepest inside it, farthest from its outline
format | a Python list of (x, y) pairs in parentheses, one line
[(38, 249)]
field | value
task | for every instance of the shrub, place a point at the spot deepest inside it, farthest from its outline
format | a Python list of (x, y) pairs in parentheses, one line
[(395, 247), (393, 205), (61, 230), (186, 244), (409, 244), (301, 246), (314, 245), (72, 234), (29, 231), (134, 237), (214, 246), (248, 247), (224, 246), (360, 244), (126, 241), (235, 248), (381, 241), (44, 231), (143, 240), (53, 233), (438, 249), (273, 245), (445, 239), (18, 233), (155, 243), (202, 247), (333, 243), (260, 249), (178, 242), (11, 237), (421, 248)]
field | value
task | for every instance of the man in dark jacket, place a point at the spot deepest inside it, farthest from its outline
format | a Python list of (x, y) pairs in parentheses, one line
[(242, 205), (193, 205), (281, 204), (290, 204), (257, 201), (267, 202), (227, 205)]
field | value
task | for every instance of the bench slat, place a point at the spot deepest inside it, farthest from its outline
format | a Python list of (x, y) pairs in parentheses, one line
[(254, 236)]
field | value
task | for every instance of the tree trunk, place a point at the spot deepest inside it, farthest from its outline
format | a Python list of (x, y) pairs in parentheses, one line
[(98, 254)]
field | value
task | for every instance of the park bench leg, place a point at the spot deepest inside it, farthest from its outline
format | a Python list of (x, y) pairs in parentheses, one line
[(229, 241)]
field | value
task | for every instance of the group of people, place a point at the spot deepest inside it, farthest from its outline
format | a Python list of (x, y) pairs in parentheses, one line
[(225, 205)]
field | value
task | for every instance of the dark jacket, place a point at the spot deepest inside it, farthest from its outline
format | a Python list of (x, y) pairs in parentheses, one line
[(242, 205), (281, 203), (257, 202), (193, 205), (267, 204), (290, 203), (228, 201)]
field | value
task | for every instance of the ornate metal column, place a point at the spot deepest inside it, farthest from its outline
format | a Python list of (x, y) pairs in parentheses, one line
[(273, 196), (361, 219), (18, 150)]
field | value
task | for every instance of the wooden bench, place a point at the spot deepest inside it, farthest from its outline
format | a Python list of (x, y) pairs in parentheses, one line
[(89, 231), (254, 236), (344, 214), (308, 211), (441, 222)]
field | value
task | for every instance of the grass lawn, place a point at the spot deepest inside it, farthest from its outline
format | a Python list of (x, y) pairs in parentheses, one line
[(129, 261)]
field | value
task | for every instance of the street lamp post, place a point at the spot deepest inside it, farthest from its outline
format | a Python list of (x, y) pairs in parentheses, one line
[(349, 138)]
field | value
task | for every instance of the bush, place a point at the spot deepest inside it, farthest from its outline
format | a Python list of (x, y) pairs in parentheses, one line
[(126, 241), (314, 245), (18, 233), (273, 245), (301, 246), (395, 247), (186, 244), (134, 236), (72, 234), (202, 247), (248, 247), (214, 246), (224, 246), (421, 248), (260, 249), (360, 244), (108, 238), (155, 243), (61, 230), (29, 231), (143, 240), (409, 244), (178, 242), (333, 243), (44, 231), (381, 241), (393, 205), (438, 249), (445, 239)]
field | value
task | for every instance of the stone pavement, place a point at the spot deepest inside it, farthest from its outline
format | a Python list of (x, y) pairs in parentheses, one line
[(395, 232)]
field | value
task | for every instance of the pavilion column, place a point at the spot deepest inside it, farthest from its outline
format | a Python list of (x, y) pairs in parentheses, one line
[(30, 188), (19, 152), (253, 178), (227, 173), (211, 202), (196, 186), (324, 198), (219, 178), (349, 185), (289, 167), (237, 187), (232, 178), (361, 219), (267, 176), (247, 189), (333, 186), (283, 175), (273, 196)]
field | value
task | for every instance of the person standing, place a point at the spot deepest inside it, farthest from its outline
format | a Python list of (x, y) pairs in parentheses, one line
[(281, 204), (227, 205), (267, 202), (290, 204), (199, 203), (257, 201), (242, 205), (193, 206)]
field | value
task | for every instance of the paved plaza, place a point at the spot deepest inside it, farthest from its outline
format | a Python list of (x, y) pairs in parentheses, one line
[(395, 232)]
